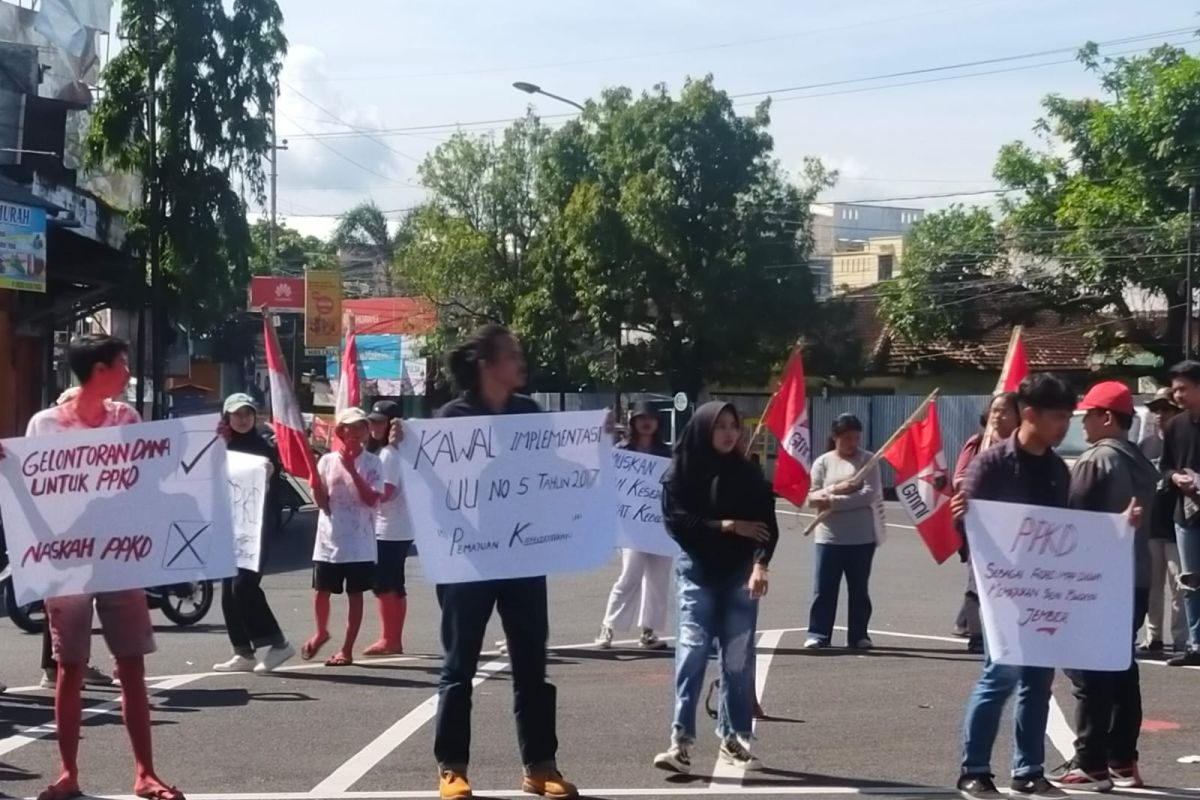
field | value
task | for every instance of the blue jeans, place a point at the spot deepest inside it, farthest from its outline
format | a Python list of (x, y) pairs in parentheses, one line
[(723, 611), (831, 563), (1188, 540), (985, 707)]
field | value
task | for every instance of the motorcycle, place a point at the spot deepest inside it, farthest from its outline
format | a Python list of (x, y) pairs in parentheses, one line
[(182, 603)]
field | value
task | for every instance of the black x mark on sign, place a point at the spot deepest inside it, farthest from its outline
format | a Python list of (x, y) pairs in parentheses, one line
[(187, 544)]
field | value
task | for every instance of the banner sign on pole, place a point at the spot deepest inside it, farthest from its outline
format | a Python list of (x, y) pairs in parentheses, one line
[(510, 496), (117, 508), (247, 498), (1054, 585), (322, 309), (277, 294), (639, 503), (22, 248)]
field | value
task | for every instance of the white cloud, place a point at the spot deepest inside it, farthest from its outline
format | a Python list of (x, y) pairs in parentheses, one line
[(848, 167)]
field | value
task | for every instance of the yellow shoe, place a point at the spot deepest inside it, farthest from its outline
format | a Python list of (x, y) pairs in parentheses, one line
[(549, 783), (454, 785)]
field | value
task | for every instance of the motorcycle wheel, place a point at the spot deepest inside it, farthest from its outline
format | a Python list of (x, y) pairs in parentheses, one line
[(187, 603), (30, 618)]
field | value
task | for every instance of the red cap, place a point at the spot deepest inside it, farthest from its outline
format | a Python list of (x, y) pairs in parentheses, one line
[(1108, 396)]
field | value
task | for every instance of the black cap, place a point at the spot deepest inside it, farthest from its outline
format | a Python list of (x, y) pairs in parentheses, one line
[(385, 411), (642, 409)]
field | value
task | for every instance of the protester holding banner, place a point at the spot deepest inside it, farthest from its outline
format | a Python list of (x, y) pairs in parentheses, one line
[(393, 534), (998, 424), (249, 622), (719, 508), (488, 369), (645, 578), (101, 365), (1180, 463), (1023, 469), (347, 489), (846, 539), (1109, 477), (1164, 552)]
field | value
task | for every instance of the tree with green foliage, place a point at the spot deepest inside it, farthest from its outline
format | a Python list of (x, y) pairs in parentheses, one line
[(216, 67), (364, 229), (294, 252)]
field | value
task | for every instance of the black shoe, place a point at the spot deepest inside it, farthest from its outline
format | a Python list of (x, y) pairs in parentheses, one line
[(1038, 788), (1189, 659), (1155, 646), (978, 787), (975, 645)]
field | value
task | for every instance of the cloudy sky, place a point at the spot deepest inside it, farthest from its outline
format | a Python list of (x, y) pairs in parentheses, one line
[(408, 71)]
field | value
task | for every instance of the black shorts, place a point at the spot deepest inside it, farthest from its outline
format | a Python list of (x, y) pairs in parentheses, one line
[(389, 567), (354, 578)]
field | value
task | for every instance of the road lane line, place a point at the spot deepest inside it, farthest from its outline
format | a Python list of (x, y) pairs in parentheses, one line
[(1059, 732), (726, 776), (788, 513)]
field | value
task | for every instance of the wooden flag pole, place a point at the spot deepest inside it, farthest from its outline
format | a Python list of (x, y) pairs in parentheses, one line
[(1004, 368), (878, 456), (771, 401)]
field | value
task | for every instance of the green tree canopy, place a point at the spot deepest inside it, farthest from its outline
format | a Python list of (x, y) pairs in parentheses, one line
[(293, 251)]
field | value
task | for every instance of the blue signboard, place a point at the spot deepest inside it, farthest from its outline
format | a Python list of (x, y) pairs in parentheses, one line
[(22, 248), (379, 358)]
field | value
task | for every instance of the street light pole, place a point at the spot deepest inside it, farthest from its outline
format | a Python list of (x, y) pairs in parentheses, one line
[(276, 146), (533, 88), (157, 327)]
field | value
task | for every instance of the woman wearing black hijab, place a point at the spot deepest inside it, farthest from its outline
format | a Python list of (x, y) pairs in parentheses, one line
[(719, 508)]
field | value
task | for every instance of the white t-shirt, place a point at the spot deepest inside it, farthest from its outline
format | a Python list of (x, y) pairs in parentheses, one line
[(61, 419), (346, 535), (392, 523)]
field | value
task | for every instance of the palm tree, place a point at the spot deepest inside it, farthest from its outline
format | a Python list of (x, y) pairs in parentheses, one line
[(362, 238)]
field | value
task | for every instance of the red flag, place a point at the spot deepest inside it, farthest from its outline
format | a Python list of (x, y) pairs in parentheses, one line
[(787, 418), (294, 452), (923, 484), (1016, 367), (348, 390)]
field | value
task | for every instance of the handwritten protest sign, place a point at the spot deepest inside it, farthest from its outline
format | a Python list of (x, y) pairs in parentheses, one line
[(247, 496), (117, 508), (1054, 585), (510, 496), (639, 503)]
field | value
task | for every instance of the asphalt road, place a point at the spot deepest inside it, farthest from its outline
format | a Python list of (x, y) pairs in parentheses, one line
[(882, 723)]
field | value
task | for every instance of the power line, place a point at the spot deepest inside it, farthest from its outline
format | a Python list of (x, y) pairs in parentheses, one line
[(348, 159), (336, 118)]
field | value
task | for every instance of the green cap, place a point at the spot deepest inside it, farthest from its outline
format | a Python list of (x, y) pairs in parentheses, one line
[(239, 400)]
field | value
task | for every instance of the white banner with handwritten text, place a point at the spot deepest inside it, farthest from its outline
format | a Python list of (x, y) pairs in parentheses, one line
[(117, 508), (1055, 585), (247, 497), (510, 496), (639, 503)]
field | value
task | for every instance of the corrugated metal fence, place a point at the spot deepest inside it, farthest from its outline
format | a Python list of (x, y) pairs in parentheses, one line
[(880, 415)]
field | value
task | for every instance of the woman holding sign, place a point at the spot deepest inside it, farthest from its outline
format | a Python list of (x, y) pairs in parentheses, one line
[(720, 509), (645, 578), (488, 369)]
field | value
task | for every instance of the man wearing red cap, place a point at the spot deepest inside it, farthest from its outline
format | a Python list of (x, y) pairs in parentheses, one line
[(1109, 477)]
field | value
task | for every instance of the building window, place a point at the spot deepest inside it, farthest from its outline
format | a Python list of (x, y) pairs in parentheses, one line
[(885, 268)]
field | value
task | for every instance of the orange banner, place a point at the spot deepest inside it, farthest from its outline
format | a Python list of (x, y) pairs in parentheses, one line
[(322, 309)]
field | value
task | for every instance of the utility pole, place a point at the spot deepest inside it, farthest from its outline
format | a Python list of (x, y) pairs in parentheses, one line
[(158, 329), (276, 146), (1189, 283)]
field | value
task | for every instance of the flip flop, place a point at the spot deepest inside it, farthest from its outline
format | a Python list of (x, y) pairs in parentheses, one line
[(161, 793), (312, 647), (339, 660), (381, 652), (56, 793)]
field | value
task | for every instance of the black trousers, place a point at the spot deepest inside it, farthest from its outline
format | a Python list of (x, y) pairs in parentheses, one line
[(466, 609), (1108, 707), (248, 618)]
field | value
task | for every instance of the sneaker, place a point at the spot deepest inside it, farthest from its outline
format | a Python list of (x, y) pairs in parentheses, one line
[(675, 760), (735, 754), (94, 676), (235, 664), (453, 785), (1038, 788), (1189, 659), (978, 787), (1072, 776), (813, 643), (548, 783), (1126, 776), (49, 679), (975, 645), (1155, 646), (275, 658), (960, 632), (502, 646), (650, 641), (864, 643), (604, 640)]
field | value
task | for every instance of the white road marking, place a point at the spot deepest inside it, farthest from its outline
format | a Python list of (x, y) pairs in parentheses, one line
[(725, 775), (1059, 731), (785, 512)]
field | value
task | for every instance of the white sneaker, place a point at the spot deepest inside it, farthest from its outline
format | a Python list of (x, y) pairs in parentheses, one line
[(813, 643), (275, 658), (675, 759), (604, 640), (49, 679), (235, 664), (650, 641), (735, 754), (502, 646)]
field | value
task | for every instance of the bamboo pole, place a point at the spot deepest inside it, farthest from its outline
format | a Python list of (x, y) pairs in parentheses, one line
[(771, 401), (878, 456)]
